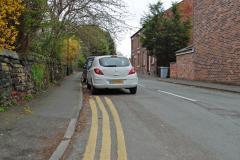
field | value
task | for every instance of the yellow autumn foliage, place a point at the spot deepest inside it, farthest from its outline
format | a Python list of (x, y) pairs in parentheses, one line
[(70, 50), (10, 11)]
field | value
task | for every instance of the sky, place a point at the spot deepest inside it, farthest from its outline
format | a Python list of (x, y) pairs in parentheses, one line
[(136, 10)]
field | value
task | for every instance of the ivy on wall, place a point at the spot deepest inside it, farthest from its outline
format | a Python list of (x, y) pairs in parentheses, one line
[(37, 72)]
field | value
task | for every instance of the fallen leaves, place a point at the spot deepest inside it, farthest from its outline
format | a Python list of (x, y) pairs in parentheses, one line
[(27, 110)]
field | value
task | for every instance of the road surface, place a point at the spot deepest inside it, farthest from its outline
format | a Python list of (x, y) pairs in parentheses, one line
[(162, 121)]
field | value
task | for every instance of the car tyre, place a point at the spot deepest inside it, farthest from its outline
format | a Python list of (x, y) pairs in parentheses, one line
[(88, 86), (133, 90), (93, 90)]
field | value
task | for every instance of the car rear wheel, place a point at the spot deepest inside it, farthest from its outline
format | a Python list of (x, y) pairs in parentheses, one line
[(88, 86), (93, 90), (133, 90)]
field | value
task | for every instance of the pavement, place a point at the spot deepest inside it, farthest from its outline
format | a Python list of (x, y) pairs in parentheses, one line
[(163, 121), (36, 130)]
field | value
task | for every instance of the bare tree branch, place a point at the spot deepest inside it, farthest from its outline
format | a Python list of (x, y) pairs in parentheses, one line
[(108, 14)]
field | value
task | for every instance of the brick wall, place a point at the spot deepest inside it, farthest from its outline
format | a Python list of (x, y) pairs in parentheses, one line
[(173, 70), (141, 66), (217, 40), (185, 66), (153, 66)]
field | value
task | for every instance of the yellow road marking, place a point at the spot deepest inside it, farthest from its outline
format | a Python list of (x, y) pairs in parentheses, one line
[(122, 153), (105, 153), (92, 140)]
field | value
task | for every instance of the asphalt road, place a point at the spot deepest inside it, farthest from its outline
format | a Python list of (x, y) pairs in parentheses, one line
[(162, 121)]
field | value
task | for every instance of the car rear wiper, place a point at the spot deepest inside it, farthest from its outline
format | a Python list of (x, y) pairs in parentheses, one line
[(111, 66)]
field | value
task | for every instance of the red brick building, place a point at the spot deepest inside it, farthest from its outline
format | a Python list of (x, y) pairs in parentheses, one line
[(144, 63), (215, 54)]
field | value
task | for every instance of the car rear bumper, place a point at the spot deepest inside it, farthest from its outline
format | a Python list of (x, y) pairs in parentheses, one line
[(101, 83)]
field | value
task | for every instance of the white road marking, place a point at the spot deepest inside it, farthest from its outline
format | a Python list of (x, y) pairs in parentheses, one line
[(169, 93)]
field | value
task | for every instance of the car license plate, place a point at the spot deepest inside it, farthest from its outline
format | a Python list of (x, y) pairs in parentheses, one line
[(116, 81)]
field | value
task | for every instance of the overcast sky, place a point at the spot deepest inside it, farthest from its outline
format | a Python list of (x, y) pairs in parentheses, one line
[(136, 9)]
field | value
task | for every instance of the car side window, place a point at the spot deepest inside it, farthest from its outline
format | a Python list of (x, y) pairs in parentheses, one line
[(89, 65), (85, 65)]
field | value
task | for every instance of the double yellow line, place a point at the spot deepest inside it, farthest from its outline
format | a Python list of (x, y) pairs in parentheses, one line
[(105, 153)]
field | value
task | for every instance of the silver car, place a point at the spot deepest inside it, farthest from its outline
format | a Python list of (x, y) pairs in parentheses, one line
[(112, 72)]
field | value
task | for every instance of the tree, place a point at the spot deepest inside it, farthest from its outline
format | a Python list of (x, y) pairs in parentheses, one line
[(46, 22), (81, 61), (10, 11), (70, 50), (31, 21), (163, 35), (66, 16), (95, 40), (111, 43), (105, 13)]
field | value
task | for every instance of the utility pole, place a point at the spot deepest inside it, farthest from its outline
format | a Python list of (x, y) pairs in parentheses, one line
[(68, 72)]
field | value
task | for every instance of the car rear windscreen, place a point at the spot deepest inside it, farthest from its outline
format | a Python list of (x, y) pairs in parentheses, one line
[(114, 62)]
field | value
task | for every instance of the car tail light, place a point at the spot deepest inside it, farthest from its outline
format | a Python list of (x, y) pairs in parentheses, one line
[(132, 71), (98, 71)]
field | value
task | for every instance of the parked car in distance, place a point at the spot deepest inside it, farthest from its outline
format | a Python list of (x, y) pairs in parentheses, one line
[(112, 72), (86, 66)]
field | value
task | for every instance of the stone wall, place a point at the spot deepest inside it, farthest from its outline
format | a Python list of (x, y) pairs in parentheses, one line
[(5, 83), (217, 40), (16, 80)]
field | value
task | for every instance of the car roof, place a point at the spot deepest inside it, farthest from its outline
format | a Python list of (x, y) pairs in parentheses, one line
[(91, 57), (105, 56)]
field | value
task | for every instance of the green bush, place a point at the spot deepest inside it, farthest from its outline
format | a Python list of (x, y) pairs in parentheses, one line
[(3, 104), (28, 97), (2, 109), (37, 72), (81, 61)]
